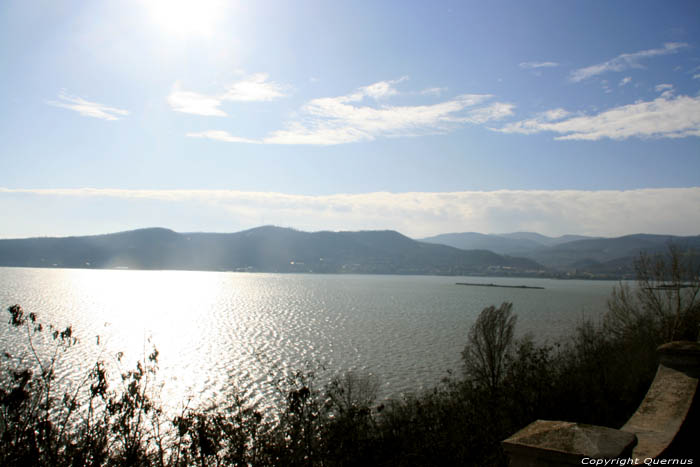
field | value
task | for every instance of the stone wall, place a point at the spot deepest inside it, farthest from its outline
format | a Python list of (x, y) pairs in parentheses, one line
[(665, 426)]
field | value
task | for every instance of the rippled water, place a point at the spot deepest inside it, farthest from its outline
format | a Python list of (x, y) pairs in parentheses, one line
[(215, 330)]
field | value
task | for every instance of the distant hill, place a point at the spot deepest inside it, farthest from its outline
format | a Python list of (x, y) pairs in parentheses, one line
[(265, 249), (510, 243), (619, 251), (586, 256), (495, 243), (543, 239)]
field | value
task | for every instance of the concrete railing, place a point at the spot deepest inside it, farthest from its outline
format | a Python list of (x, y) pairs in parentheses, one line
[(666, 424)]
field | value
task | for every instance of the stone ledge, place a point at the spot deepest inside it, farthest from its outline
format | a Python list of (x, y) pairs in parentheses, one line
[(545, 442), (667, 405), (681, 355), (665, 423)]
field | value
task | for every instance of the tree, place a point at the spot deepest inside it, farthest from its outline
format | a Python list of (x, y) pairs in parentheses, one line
[(664, 305), (350, 426), (490, 342)]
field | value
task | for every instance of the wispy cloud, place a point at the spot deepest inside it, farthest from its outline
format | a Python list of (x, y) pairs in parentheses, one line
[(625, 81), (194, 103), (625, 61), (436, 91), (487, 113), (220, 135), (417, 214), (666, 90), (553, 115), (535, 65), (380, 90), (254, 88), (362, 116), (87, 108), (664, 117)]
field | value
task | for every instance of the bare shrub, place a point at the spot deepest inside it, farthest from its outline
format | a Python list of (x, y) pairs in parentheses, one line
[(664, 304), (489, 343)]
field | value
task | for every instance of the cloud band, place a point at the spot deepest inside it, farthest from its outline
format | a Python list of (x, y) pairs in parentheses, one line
[(417, 214)]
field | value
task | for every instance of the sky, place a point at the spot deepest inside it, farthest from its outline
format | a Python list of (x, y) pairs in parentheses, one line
[(578, 117)]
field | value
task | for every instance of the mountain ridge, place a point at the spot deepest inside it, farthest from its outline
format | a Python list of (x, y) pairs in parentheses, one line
[(576, 255), (263, 249), (271, 248)]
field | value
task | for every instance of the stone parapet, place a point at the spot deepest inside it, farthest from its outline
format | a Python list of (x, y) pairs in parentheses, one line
[(665, 424)]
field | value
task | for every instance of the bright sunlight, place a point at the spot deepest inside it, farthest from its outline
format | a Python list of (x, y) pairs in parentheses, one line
[(186, 18)]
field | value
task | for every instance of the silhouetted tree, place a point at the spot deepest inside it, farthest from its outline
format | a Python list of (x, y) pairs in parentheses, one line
[(489, 342)]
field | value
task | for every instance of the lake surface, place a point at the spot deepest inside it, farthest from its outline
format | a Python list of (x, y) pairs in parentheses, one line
[(215, 330)]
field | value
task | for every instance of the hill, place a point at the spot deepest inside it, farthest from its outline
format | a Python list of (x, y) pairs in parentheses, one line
[(264, 249), (574, 254), (515, 243)]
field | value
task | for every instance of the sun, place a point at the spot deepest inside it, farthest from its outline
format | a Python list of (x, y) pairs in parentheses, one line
[(187, 18)]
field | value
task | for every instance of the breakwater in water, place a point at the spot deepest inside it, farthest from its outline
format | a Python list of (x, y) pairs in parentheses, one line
[(476, 284)]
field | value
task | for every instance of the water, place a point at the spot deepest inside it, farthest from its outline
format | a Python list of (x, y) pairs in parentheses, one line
[(218, 330)]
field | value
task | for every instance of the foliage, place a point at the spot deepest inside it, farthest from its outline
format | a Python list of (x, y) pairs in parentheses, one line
[(35, 415), (349, 431), (233, 434), (45, 421)]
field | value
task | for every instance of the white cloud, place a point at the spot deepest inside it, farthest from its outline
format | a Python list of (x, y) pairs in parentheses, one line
[(554, 115), (535, 65), (417, 214), (664, 117), (624, 81), (381, 89), (194, 103), (697, 76), (666, 90), (625, 61), (87, 108), (377, 91), (254, 88), (491, 112), (348, 118), (434, 91), (219, 135)]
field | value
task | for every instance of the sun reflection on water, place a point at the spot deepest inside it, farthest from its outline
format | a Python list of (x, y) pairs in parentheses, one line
[(167, 310), (216, 331)]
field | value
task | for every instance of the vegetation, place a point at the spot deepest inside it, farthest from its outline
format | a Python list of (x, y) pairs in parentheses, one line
[(599, 375)]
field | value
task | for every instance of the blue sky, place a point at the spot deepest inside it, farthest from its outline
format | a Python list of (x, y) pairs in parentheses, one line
[(424, 117)]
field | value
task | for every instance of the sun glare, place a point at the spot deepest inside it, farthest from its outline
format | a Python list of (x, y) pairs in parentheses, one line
[(187, 17)]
